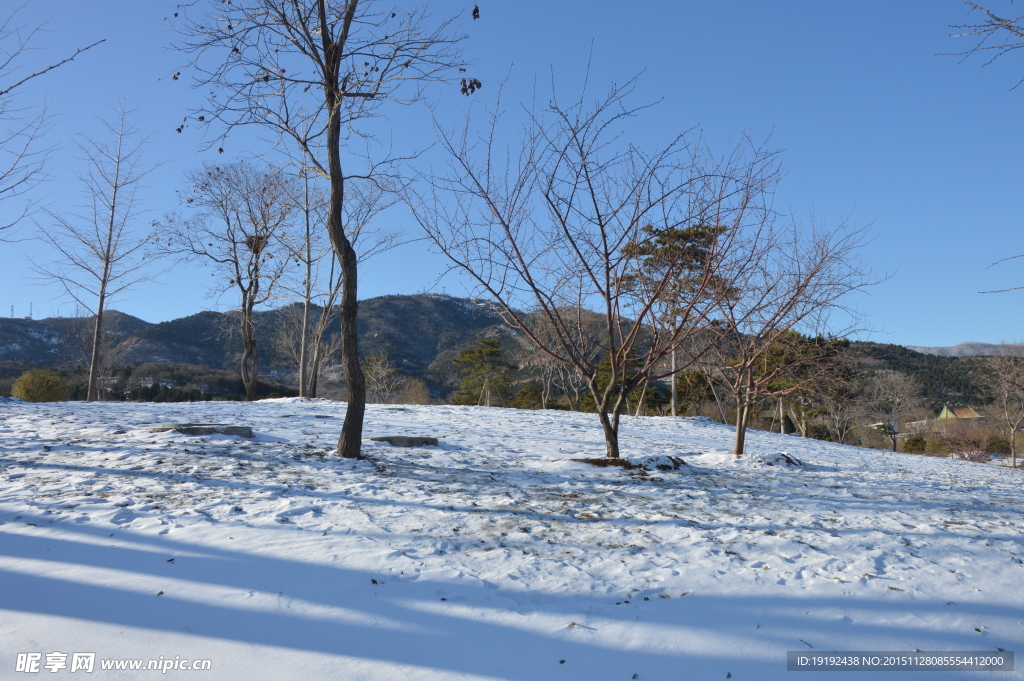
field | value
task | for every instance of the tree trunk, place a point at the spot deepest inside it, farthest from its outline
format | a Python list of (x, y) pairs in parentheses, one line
[(545, 393), (800, 421), (250, 360), (675, 386), (743, 409), (741, 427), (94, 361), (351, 437), (304, 347), (640, 403), (314, 369), (350, 440), (318, 342), (108, 254), (611, 435), (609, 421), (247, 367)]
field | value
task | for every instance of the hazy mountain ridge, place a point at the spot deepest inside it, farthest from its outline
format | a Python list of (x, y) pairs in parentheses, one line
[(968, 349)]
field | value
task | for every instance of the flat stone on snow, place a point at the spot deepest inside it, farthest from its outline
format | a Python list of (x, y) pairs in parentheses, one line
[(406, 440), (205, 429)]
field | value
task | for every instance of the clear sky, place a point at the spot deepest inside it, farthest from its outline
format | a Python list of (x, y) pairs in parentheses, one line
[(878, 125)]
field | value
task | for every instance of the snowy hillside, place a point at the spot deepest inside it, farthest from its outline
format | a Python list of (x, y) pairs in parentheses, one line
[(490, 556)]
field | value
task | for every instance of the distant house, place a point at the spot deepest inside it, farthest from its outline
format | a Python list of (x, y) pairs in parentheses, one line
[(916, 427), (954, 413)]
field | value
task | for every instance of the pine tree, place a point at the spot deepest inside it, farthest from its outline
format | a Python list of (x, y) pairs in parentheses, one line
[(485, 374)]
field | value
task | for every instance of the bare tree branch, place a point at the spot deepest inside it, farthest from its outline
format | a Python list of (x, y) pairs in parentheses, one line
[(22, 163), (996, 36)]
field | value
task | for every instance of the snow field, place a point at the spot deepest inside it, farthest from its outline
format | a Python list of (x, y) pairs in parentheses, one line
[(493, 555)]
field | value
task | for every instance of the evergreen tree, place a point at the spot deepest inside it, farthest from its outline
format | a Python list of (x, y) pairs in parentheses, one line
[(527, 397), (485, 374), (693, 390)]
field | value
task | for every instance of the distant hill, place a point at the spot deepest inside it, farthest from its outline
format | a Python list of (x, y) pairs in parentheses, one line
[(49, 342), (413, 332), (942, 379), (969, 349)]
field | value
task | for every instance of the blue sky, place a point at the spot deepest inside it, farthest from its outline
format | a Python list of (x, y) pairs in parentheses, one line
[(877, 124)]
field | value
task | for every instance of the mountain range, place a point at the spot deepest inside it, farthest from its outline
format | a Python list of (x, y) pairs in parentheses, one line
[(417, 334)]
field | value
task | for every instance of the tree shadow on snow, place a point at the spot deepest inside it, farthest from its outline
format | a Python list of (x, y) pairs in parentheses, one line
[(405, 621)]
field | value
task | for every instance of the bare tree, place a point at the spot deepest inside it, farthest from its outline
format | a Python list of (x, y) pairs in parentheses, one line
[(784, 280), (891, 397), (321, 345), (552, 373), (238, 213), (382, 379), (1006, 381), (100, 251), (571, 218), (843, 406), (822, 387), (545, 369), (309, 252), (21, 159), (318, 284), (310, 71)]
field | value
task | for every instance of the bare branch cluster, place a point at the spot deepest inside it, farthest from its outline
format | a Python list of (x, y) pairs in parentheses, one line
[(996, 36), (22, 160), (298, 67), (670, 249), (774, 327)]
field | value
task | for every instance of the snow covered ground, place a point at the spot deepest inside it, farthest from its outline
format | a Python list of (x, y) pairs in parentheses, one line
[(491, 556)]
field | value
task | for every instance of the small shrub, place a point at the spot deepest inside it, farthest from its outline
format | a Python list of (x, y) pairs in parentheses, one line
[(415, 391), (915, 444), (819, 432), (1000, 446), (41, 385)]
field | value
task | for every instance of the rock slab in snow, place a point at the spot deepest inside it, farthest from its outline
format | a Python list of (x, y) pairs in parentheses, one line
[(205, 429), (406, 440)]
